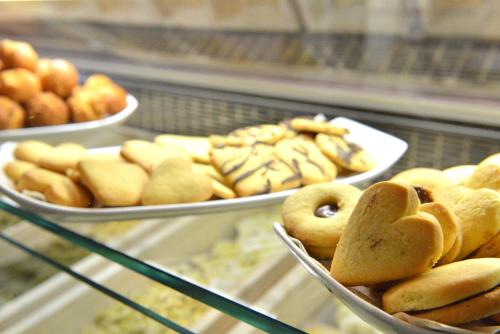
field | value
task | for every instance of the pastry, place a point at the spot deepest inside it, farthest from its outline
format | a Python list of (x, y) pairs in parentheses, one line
[(56, 188), (485, 176), (62, 157), (222, 191), (442, 293), (221, 188), (429, 178), (309, 125), (173, 181), (460, 174), (210, 171), (113, 96), (31, 150), (317, 214), (15, 169), (149, 155), (58, 76), (307, 159), (254, 170), (19, 84), (447, 220), (478, 213), (46, 109), (86, 106), (452, 254), (97, 80), (15, 54), (198, 147), (113, 183), (12, 115), (386, 238), (489, 249), (344, 153)]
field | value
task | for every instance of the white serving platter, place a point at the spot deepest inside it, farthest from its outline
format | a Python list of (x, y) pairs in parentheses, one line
[(66, 130), (384, 148), (361, 307)]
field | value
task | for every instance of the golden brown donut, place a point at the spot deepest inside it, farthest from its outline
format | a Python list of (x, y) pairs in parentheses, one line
[(18, 54), (46, 109), (96, 80), (19, 84), (58, 76), (317, 215), (86, 106), (11, 114), (113, 96)]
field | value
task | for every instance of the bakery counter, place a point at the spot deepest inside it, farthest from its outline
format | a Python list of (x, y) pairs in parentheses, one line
[(234, 255)]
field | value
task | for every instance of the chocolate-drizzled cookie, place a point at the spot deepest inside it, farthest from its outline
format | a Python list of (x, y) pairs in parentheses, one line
[(307, 159), (344, 153), (254, 170)]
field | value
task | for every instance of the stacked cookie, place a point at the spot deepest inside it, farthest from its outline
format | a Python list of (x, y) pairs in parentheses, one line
[(40, 92), (428, 240)]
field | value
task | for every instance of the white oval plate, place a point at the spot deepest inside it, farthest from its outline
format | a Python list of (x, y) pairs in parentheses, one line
[(65, 130), (384, 148), (362, 308)]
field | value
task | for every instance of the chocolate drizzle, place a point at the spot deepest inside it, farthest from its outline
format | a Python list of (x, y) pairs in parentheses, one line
[(249, 173), (326, 211), (346, 154), (305, 153)]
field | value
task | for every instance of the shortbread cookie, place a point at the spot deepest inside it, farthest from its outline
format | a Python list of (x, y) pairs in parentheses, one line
[(62, 157), (447, 220), (460, 174), (56, 188), (453, 253), (386, 238), (210, 171), (478, 213), (197, 147), (31, 150), (466, 311), (113, 183), (344, 153), (485, 176), (254, 170), (149, 155), (174, 182), (15, 169), (443, 286), (307, 159), (309, 125), (222, 191), (430, 178), (317, 215), (489, 249)]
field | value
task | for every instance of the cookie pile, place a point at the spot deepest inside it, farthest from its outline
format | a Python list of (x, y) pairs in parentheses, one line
[(427, 241), (39, 92)]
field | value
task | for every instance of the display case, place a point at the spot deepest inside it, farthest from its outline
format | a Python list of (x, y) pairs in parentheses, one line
[(423, 71)]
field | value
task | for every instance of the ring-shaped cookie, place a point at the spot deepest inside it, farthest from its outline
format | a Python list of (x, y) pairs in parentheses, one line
[(317, 214)]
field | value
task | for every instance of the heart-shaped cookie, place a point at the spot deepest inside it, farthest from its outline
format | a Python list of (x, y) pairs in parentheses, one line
[(386, 239), (174, 182), (478, 213)]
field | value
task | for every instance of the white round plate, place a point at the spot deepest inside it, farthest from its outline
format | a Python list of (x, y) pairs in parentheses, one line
[(66, 130), (384, 148)]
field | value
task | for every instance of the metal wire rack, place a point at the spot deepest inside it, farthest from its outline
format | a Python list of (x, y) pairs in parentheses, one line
[(442, 61)]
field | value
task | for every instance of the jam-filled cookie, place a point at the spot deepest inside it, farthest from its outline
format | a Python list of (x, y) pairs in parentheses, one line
[(309, 125), (307, 159), (428, 178), (254, 170), (344, 153), (317, 215)]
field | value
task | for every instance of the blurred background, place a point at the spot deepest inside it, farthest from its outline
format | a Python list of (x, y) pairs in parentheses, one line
[(422, 58)]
